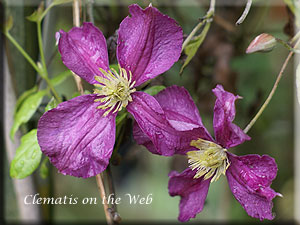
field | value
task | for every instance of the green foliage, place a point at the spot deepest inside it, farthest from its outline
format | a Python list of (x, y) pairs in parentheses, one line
[(8, 24), (26, 110), (37, 15), (44, 171), (298, 82), (59, 2), (28, 156), (25, 95), (192, 47), (60, 78), (51, 104), (154, 89)]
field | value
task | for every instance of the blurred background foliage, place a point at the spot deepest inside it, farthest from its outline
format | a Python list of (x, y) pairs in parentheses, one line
[(220, 59)]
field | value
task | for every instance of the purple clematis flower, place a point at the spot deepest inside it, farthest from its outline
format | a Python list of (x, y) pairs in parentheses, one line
[(249, 177), (78, 136)]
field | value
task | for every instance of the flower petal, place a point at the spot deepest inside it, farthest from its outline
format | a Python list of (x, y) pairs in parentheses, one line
[(149, 43), (180, 110), (83, 50), (142, 139), (76, 137), (227, 134), (192, 191), (152, 121), (249, 178)]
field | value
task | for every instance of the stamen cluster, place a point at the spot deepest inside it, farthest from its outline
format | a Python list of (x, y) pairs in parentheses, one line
[(115, 89), (211, 159)]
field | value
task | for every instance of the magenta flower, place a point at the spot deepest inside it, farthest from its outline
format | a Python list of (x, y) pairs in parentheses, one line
[(78, 136), (249, 177)]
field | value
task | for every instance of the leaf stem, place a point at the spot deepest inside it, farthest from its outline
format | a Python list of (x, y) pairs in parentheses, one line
[(44, 72), (296, 37), (263, 107), (58, 98), (45, 12), (40, 71), (210, 13), (287, 46), (40, 42), (22, 51)]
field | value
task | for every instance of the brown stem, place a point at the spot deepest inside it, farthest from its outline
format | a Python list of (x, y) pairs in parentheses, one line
[(111, 186), (101, 188), (76, 22)]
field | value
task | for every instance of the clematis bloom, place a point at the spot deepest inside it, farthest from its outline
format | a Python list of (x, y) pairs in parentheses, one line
[(78, 135), (249, 177)]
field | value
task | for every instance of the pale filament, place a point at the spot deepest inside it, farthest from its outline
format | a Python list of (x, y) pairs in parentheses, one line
[(210, 160), (115, 89)]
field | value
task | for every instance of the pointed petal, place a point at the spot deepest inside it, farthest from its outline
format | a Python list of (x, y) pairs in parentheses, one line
[(83, 50), (149, 43), (227, 134), (192, 191), (152, 121), (76, 137), (249, 178)]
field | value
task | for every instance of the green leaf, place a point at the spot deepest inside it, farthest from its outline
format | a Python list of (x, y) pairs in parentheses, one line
[(37, 15), (28, 156), (154, 89), (60, 78), (298, 82), (51, 104), (59, 2), (44, 171), (26, 111), (23, 96), (192, 47)]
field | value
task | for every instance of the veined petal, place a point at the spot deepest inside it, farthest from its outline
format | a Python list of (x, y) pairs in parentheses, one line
[(180, 110), (249, 178), (149, 43), (83, 50), (142, 139), (192, 191), (152, 121), (227, 134), (76, 137)]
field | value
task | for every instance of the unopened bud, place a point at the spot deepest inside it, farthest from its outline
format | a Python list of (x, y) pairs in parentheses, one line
[(262, 43)]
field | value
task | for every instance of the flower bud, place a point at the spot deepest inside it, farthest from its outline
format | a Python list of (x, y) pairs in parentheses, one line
[(262, 43)]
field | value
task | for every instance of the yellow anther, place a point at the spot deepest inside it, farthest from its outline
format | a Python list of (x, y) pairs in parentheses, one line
[(115, 89), (210, 160)]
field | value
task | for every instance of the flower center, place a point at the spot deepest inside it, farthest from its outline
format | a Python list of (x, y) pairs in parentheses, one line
[(115, 89), (210, 160)]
